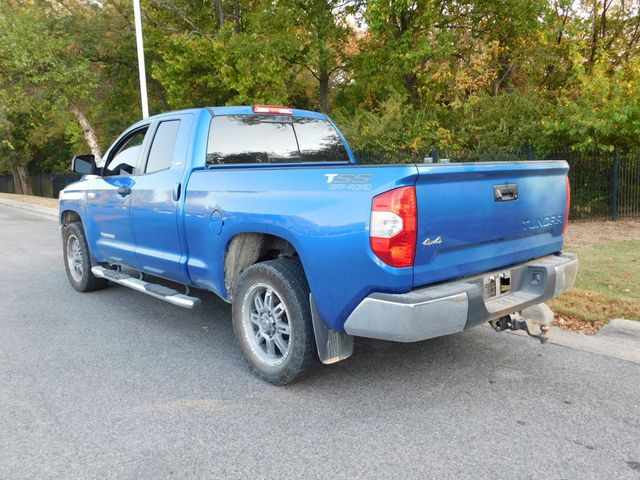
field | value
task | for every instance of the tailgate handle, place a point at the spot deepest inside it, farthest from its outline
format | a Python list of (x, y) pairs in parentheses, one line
[(505, 193)]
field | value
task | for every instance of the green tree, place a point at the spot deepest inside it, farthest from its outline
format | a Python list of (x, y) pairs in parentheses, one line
[(81, 80), (396, 74)]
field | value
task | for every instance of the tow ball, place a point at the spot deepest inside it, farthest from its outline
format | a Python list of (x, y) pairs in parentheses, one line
[(533, 320)]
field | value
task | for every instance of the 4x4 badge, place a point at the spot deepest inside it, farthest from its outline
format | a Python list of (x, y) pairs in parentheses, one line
[(436, 241)]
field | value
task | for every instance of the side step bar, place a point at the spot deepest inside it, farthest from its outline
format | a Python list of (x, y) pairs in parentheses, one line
[(154, 289)]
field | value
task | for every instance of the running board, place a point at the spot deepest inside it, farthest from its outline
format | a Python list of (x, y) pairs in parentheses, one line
[(154, 289)]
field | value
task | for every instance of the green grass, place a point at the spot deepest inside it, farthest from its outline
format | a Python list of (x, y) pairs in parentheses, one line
[(608, 284)]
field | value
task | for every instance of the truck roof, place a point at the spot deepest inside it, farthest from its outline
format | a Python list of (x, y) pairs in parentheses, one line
[(236, 110)]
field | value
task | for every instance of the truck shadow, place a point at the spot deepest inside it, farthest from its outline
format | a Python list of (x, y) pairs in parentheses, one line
[(374, 362)]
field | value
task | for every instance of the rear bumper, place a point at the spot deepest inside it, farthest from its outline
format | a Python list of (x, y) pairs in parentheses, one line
[(455, 306)]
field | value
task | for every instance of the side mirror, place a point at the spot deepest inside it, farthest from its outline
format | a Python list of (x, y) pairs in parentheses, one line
[(84, 165)]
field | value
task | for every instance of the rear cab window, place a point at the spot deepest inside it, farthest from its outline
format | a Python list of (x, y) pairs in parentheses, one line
[(163, 146), (250, 139)]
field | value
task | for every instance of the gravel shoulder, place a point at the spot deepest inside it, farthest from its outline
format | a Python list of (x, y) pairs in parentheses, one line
[(31, 199)]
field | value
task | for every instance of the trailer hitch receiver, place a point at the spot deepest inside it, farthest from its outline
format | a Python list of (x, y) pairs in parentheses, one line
[(533, 320)]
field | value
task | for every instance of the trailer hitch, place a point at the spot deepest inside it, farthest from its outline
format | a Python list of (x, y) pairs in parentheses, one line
[(533, 320)]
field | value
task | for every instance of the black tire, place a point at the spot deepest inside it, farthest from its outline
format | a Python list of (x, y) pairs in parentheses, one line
[(287, 280), (81, 278)]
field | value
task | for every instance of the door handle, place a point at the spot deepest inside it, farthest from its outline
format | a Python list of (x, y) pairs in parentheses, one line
[(176, 191), (124, 191)]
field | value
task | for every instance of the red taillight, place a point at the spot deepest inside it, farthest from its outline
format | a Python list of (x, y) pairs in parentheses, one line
[(567, 206), (272, 109), (392, 233)]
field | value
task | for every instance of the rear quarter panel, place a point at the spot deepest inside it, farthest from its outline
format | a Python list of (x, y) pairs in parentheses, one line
[(326, 222)]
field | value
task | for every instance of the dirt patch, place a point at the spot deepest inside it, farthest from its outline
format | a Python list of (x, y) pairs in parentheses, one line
[(594, 233), (576, 325), (42, 201), (576, 309)]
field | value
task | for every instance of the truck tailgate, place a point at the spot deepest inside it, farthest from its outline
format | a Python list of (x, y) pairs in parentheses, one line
[(473, 218)]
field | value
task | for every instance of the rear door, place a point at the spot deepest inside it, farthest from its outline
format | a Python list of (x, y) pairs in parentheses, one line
[(473, 218), (156, 196)]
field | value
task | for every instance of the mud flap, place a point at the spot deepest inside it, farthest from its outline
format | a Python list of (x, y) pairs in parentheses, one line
[(332, 346)]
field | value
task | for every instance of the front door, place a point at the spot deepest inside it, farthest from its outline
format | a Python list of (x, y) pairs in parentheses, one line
[(109, 231), (155, 199)]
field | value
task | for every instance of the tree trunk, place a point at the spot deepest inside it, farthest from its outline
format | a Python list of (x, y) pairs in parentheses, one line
[(324, 92), (89, 133), (594, 36), (25, 181), (17, 184), (411, 84), (219, 12)]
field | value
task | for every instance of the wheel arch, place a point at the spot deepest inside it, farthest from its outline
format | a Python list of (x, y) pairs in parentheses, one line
[(70, 216), (248, 248)]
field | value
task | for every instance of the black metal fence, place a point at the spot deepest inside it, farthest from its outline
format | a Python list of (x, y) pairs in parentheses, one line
[(603, 185), (42, 184)]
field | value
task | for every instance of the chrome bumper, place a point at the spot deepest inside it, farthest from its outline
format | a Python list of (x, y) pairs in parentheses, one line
[(455, 306)]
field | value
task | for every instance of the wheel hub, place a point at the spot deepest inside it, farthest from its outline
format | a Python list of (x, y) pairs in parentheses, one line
[(266, 323)]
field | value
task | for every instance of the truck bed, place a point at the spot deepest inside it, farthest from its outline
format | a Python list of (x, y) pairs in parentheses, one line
[(328, 223)]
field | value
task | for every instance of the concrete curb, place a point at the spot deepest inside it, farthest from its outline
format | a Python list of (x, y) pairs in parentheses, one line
[(51, 213), (622, 331), (618, 339), (609, 344)]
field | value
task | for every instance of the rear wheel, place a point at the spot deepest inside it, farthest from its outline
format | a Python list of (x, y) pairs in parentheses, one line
[(272, 320), (77, 259)]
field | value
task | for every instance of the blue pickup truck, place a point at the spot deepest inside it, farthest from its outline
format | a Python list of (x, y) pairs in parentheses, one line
[(266, 207)]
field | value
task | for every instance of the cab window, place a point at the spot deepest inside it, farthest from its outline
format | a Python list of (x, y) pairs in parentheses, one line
[(273, 139), (125, 159), (163, 147)]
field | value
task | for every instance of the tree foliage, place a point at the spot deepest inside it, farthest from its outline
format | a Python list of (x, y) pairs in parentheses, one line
[(396, 74)]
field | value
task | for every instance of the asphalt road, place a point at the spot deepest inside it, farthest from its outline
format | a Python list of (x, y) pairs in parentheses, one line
[(114, 384)]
